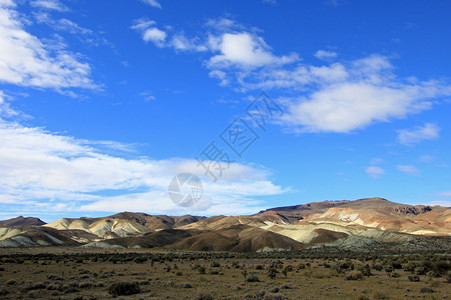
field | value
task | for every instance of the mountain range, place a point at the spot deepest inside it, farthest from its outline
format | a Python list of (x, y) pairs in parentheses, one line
[(369, 223)]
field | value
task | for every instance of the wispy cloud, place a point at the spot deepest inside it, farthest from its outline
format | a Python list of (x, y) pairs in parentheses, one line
[(445, 194), (334, 97), (428, 131), (25, 60), (409, 169), (147, 95), (324, 54), (153, 3), (46, 171), (84, 34), (5, 109), (61, 24), (49, 5), (221, 75), (374, 171), (376, 161)]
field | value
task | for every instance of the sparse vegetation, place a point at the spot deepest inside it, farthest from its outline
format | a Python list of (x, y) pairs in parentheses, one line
[(124, 288), (316, 274)]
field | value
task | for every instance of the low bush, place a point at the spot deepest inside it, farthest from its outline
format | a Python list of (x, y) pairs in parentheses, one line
[(354, 275), (414, 278), (203, 296), (124, 288), (252, 279), (426, 289)]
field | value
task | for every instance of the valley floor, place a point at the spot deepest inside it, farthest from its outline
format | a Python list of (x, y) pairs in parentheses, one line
[(68, 273)]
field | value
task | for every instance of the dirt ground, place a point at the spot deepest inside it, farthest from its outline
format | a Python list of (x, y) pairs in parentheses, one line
[(70, 273)]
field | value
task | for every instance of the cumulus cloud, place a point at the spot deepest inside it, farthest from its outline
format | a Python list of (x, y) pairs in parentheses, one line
[(25, 60), (374, 171), (230, 45), (154, 35), (43, 170), (150, 33), (245, 50), (408, 169), (428, 131), (365, 92), (336, 97), (153, 3)]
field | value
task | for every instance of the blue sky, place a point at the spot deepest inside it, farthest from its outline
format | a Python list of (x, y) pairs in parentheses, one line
[(102, 103)]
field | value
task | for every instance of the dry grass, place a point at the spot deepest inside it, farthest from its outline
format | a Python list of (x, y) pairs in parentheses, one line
[(53, 273)]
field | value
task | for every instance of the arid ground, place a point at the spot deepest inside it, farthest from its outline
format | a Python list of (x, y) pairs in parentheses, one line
[(74, 273)]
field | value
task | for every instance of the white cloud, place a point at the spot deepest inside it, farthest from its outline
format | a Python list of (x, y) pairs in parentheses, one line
[(418, 134), (229, 48), (446, 194), (374, 171), (5, 108), (365, 93), (376, 161), (244, 50), (49, 5), (409, 169), (426, 158), (26, 61), (155, 35), (440, 203), (142, 24), (221, 75), (223, 25), (150, 33), (7, 3), (69, 26), (147, 95), (153, 3), (324, 54), (338, 97), (42, 170), (182, 43)]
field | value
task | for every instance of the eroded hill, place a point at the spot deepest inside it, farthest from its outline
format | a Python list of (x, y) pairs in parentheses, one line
[(361, 224)]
